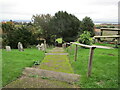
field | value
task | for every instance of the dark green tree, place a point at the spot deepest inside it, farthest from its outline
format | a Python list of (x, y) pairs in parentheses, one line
[(23, 35), (65, 25), (87, 25), (8, 29), (12, 35)]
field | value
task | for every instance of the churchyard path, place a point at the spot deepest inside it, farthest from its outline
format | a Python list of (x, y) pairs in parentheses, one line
[(54, 71)]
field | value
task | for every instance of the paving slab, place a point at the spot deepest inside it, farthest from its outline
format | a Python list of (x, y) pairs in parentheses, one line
[(60, 76), (33, 82), (58, 62)]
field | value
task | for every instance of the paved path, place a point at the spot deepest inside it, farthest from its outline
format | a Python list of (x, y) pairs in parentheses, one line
[(57, 60), (54, 71)]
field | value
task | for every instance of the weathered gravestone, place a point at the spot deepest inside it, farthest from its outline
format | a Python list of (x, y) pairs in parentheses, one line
[(8, 48), (64, 45), (39, 47), (42, 47), (20, 46)]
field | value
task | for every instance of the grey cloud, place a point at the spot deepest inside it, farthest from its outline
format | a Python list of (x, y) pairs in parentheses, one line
[(105, 2)]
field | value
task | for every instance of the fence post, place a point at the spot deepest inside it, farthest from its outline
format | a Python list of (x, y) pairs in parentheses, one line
[(76, 53), (70, 49), (90, 61)]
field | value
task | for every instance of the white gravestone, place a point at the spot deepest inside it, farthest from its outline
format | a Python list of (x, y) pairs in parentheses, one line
[(20, 46), (42, 47), (39, 47), (8, 48)]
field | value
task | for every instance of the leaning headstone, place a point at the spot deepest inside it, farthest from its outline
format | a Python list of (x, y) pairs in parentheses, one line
[(20, 46), (39, 47), (8, 48)]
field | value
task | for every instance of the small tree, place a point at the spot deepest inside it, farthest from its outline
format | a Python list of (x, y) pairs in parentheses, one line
[(85, 38), (41, 23), (87, 25)]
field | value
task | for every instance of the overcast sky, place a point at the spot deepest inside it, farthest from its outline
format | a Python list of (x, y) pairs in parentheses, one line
[(98, 10)]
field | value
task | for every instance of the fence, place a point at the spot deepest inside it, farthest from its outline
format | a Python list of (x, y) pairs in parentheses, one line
[(91, 53)]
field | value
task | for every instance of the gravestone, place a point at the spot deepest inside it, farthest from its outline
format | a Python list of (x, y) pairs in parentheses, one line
[(42, 47), (20, 46), (8, 48), (64, 45), (39, 47)]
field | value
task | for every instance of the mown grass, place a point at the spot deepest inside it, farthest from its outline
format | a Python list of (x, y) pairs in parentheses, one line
[(104, 68), (13, 63), (105, 44)]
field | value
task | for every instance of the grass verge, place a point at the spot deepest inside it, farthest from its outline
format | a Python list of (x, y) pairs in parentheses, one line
[(14, 62), (104, 68)]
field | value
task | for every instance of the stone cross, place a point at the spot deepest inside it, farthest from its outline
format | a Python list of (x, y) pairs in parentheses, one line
[(20, 46), (8, 48)]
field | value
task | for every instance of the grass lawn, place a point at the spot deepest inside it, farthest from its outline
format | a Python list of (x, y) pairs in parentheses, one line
[(14, 62), (105, 44), (104, 68)]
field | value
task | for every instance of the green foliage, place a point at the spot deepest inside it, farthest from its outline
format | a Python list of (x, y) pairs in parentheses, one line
[(85, 38), (42, 26), (59, 40), (36, 62), (44, 77), (12, 35), (8, 27), (65, 25), (87, 25), (15, 61), (62, 24)]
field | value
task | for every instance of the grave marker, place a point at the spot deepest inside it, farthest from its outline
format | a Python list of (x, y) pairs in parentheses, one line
[(8, 48)]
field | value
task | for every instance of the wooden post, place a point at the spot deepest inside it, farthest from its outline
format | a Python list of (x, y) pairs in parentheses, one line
[(76, 53), (70, 47), (101, 32), (90, 61)]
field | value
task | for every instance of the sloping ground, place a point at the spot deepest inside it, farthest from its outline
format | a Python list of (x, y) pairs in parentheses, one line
[(54, 71)]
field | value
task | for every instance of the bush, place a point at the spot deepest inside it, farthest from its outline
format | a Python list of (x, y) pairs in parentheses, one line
[(85, 38), (12, 35)]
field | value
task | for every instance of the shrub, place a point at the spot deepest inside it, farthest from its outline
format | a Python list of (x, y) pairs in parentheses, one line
[(85, 38)]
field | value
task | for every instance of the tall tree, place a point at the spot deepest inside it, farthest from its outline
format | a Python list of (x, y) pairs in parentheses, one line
[(42, 24), (87, 25), (65, 25)]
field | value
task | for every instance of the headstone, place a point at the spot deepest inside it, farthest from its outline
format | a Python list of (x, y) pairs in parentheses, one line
[(8, 48), (64, 45), (20, 46), (45, 45), (42, 47), (39, 47)]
